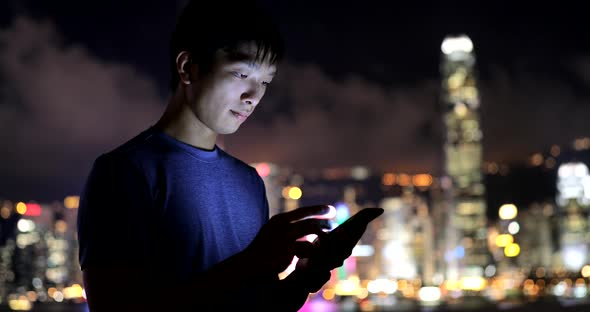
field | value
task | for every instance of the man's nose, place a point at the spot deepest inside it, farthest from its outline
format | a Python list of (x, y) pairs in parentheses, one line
[(253, 94)]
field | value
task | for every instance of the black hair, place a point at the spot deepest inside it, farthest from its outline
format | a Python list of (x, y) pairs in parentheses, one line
[(205, 27)]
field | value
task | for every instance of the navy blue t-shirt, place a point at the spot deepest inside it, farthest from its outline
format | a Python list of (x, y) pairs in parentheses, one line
[(168, 207)]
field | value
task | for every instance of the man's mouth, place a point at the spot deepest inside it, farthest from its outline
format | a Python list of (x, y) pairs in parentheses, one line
[(240, 115)]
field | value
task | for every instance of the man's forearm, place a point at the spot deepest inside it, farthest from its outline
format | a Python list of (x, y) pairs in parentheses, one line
[(226, 280), (286, 295), (291, 293)]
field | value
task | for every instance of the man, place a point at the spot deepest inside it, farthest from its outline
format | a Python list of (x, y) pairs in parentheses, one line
[(168, 220)]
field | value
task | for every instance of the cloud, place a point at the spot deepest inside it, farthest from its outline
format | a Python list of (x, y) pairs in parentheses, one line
[(526, 112), (60, 106), (353, 121)]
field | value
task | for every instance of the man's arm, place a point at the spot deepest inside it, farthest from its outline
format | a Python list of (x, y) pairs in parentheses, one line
[(126, 287), (291, 293), (256, 266)]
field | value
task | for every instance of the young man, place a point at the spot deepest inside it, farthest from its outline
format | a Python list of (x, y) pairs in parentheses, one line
[(170, 221)]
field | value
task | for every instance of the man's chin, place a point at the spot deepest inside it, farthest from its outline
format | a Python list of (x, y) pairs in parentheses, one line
[(228, 131)]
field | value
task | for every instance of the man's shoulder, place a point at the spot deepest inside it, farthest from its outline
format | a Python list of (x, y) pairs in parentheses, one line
[(141, 144), (131, 153), (237, 162)]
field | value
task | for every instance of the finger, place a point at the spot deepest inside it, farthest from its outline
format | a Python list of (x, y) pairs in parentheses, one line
[(308, 226), (303, 212), (359, 221), (303, 249), (369, 214)]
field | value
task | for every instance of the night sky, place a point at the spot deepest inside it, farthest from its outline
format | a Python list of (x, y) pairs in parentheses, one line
[(359, 86)]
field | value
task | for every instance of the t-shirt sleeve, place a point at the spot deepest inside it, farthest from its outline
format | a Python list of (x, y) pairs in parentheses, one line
[(264, 199), (114, 214)]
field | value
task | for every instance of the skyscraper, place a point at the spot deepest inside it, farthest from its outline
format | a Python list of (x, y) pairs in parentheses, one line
[(465, 247), (573, 201)]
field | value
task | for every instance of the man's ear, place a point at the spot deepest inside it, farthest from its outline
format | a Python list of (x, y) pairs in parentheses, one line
[(183, 67)]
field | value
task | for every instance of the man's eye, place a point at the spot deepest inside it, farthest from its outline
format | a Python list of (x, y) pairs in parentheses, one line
[(265, 83), (240, 75)]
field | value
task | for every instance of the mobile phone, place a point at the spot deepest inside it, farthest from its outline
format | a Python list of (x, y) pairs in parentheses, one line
[(335, 246), (358, 222)]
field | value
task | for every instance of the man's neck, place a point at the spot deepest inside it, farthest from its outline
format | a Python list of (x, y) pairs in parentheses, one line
[(180, 122)]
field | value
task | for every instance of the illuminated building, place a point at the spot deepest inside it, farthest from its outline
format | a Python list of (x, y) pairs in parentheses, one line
[(573, 201), (533, 230), (38, 252), (406, 239), (465, 245)]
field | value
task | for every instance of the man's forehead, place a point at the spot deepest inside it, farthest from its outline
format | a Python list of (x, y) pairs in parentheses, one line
[(251, 55)]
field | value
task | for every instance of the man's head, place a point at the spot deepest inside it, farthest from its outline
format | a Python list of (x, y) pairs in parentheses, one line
[(223, 56), (205, 27)]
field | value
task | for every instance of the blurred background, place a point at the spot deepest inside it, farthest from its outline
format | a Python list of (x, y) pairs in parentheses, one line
[(465, 120)]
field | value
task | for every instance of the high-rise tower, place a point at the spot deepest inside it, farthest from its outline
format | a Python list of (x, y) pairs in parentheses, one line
[(465, 247)]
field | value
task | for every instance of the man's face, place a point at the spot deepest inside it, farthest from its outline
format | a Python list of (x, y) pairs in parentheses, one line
[(230, 92)]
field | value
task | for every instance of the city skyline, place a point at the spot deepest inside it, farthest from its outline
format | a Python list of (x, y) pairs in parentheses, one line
[(355, 89), (399, 257)]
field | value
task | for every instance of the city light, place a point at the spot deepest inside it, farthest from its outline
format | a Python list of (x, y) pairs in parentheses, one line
[(342, 212), (457, 44), (572, 169), (295, 192), (429, 294), (72, 292), (328, 294), (388, 179), (5, 212), (72, 202), (359, 173), (507, 212), (382, 285), (422, 180), (263, 169), (573, 183), (550, 162), (292, 192), (513, 227), (461, 109), (574, 256), (582, 144), (33, 210), (512, 250), (555, 150), (404, 180), (490, 270), (540, 272), (20, 303), (586, 271), (472, 283), (537, 159), (348, 287), (25, 225), (504, 240), (61, 226), (362, 251), (457, 79), (21, 208)]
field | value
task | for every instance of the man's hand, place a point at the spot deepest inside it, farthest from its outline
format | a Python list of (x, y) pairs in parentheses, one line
[(311, 278), (332, 248), (291, 293), (276, 243)]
